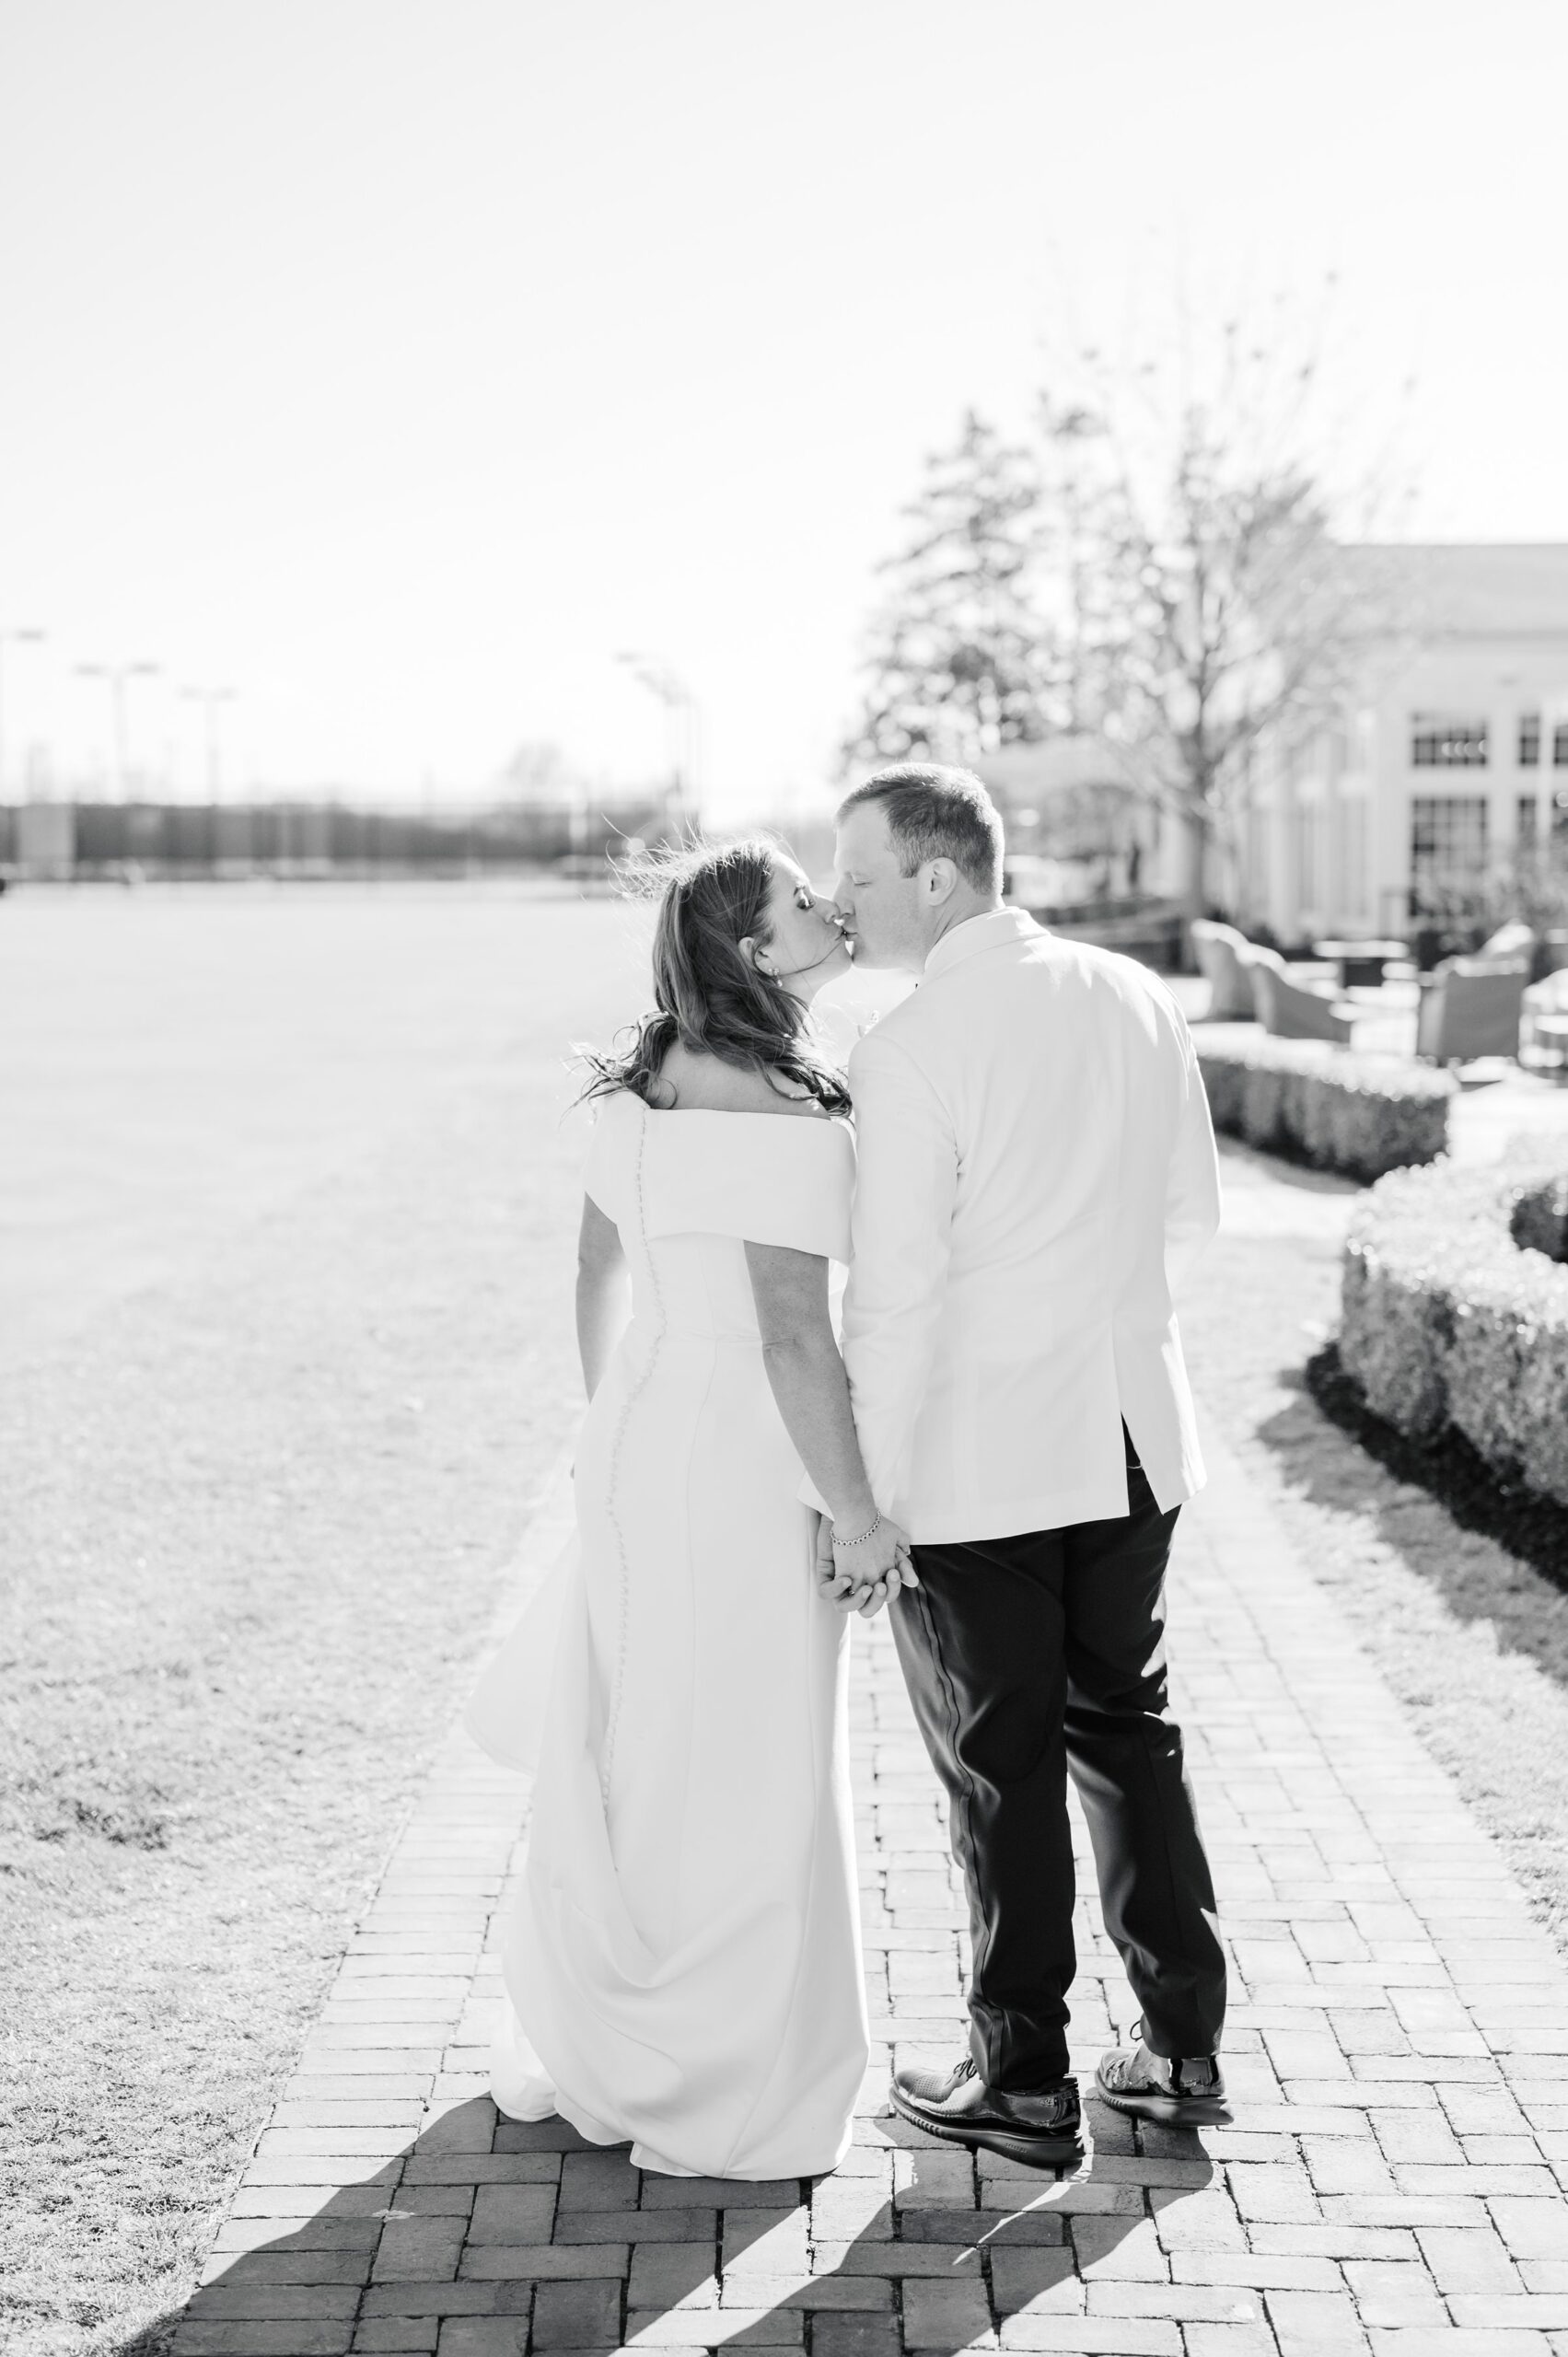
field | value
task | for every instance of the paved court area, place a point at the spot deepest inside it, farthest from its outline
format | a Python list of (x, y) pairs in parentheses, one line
[(1394, 2182), (185, 1061)]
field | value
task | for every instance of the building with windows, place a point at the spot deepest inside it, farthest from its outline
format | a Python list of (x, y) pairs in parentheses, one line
[(1448, 764)]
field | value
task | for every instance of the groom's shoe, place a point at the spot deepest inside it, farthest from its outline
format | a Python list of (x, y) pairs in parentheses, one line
[(1184, 2091), (1040, 2130)]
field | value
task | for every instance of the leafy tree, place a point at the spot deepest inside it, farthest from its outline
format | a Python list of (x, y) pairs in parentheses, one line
[(958, 660)]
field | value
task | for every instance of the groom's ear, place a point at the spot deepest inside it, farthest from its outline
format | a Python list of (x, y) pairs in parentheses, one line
[(941, 875)]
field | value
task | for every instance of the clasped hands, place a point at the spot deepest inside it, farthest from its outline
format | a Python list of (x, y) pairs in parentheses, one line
[(864, 1577)]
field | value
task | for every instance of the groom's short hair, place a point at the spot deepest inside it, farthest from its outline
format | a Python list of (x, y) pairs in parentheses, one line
[(934, 812)]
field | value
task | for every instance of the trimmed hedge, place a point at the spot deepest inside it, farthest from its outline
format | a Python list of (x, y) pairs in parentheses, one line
[(1361, 1114), (1541, 1220), (1454, 1314)]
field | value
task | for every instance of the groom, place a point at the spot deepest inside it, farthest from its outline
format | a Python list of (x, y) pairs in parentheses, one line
[(1036, 1168)]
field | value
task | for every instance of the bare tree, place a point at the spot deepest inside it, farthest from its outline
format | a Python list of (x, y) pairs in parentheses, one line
[(959, 660), (1215, 614), (1167, 568)]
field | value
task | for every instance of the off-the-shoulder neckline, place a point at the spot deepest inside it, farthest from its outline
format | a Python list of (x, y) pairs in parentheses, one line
[(719, 1113)]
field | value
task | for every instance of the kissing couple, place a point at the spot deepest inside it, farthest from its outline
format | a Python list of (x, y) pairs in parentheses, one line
[(1017, 1167)]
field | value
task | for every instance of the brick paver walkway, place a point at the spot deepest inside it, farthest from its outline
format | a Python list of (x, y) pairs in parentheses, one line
[(1395, 2180)]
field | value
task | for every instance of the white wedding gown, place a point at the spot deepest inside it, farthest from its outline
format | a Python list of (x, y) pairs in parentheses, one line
[(683, 1960)]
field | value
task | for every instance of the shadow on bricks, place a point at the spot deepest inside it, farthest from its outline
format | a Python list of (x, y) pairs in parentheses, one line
[(490, 2238)]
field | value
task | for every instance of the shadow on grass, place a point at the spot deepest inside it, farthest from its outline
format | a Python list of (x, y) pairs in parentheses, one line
[(1451, 1471), (1283, 1166), (489, 2238), (1334, 1450)]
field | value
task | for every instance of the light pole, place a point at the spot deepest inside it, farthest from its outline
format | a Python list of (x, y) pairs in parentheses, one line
[(12, 638), (212, 700), (117, 675), (661, 680)]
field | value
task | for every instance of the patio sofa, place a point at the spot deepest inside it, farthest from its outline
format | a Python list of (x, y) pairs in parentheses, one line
[(1288, 1009), (1545, 1012), (1471, 1007), (1222, 956)]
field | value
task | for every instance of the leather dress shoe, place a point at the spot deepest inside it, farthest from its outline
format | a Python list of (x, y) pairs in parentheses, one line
[(1182, 2091), (1040, 2130)]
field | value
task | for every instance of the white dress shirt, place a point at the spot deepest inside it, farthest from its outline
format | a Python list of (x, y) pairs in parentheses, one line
[(1036, 1168)]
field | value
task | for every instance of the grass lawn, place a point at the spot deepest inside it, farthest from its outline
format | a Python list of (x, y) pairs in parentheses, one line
[(1472, 1641), (256, 1520)]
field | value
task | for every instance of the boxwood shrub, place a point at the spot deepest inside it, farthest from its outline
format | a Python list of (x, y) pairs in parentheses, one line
[(1455, 1300), (1361, 1114)]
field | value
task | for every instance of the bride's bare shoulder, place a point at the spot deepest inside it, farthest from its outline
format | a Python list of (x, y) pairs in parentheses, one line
[(694, 1083)]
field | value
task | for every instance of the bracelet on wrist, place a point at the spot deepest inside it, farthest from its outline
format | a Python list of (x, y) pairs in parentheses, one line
[(869, 1532)]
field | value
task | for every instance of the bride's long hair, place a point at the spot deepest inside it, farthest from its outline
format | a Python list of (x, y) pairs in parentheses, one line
[(707, 993)]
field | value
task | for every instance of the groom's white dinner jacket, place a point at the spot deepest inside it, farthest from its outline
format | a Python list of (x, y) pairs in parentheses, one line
[(1036, 1168)]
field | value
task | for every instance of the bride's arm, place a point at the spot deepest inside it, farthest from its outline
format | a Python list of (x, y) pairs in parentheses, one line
[(603, 1298), (811, 1388)]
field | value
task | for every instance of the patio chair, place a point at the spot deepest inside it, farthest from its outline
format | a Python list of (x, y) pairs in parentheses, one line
[(1221, 953), (1548, 1000), (1471, 1007), (1287, 1009)]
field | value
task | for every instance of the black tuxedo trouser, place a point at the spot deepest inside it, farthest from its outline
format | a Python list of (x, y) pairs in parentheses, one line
[(1027, 1658)]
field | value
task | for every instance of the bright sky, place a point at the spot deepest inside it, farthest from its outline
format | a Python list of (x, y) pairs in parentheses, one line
[(396, 362)]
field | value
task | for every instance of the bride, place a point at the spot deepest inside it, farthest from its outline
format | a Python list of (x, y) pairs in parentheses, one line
[(683, 1960)]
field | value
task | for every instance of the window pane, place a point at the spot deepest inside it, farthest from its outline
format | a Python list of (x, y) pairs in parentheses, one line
[(1448, 842), (1444, 740)]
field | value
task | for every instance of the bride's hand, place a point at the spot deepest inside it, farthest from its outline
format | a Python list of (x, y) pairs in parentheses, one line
[(863, 1577)]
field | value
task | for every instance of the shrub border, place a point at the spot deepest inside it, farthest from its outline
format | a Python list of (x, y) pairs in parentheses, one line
[(1453, 1326), (1310, 1102)]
